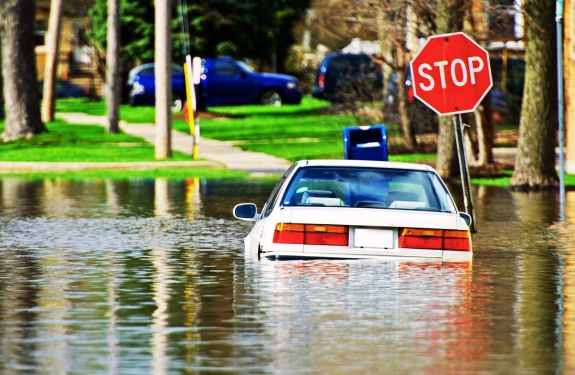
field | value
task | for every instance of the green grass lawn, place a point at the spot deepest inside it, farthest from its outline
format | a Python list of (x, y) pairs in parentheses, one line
[(292, 132), (79, 143), (171, 173), (505, 181), (98, 108), (91, 143)]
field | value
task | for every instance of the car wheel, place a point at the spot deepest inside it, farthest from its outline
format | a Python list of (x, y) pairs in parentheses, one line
[(177, 104), (271, 97)]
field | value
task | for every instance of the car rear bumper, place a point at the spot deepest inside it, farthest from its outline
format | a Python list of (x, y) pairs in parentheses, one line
[(412, 254)]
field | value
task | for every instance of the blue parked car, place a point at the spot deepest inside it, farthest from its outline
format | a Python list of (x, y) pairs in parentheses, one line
[(142, 85), (345, 77), (224, 81)]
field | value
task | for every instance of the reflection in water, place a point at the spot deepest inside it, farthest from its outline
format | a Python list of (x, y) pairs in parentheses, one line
[(112, 314), (567, 320), (53, 310), (160, 315), (148, 276), (367, 316), (161, 198), (193, 198)]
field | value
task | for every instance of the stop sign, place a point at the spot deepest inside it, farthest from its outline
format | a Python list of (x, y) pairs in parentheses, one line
[(451, 74)]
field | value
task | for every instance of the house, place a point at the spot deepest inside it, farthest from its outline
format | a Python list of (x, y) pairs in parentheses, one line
[(72, 53)]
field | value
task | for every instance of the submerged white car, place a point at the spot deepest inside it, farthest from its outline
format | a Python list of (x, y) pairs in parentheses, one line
[(358, 209)]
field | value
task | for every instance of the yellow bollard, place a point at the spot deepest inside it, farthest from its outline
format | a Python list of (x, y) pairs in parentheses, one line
[(191, 99)]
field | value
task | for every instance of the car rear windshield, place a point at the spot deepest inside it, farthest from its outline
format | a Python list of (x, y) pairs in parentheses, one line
[(368, 188)]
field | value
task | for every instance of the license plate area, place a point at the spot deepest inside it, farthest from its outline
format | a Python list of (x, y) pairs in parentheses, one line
[(374, 238)]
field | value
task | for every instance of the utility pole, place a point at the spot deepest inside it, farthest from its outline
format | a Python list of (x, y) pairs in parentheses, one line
[(113, 66), (163, 60), (51, 64)]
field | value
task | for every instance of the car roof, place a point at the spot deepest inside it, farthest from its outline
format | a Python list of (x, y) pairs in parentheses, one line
[(364, 163), (139, 68)]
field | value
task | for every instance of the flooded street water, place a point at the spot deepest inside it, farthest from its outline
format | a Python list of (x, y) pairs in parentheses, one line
[(148, 276)]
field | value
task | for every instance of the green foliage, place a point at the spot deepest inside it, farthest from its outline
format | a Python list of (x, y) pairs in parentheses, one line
[(255, 29), (137, 30)]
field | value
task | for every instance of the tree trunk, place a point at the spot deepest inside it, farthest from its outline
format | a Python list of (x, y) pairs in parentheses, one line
[(51, 67), (19, 70), (535, 161), (113, 66), (449, 19), (484, 123), (408, 133), (472, 158), (163, 59), (446, 164), (2, 113)]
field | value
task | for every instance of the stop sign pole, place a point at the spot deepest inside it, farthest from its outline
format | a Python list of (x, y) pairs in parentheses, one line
[(451, 75)]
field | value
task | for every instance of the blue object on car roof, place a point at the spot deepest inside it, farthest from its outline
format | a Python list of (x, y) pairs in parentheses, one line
[(365, 143)]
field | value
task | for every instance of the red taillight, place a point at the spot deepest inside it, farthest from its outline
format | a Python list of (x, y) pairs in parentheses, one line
[(289, 233), (312, 234), (321, 80), (421, 238), (413, 238), (457, 240)]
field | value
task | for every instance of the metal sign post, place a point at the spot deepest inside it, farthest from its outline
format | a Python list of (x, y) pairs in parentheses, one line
[(451, 74), (464, 170), (559, 22)]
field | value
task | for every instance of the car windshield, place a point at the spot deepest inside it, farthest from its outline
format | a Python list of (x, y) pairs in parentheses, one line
[(245, 67), (368, 188)]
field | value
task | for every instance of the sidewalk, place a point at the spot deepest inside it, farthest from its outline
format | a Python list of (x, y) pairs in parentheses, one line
[(216, 153)]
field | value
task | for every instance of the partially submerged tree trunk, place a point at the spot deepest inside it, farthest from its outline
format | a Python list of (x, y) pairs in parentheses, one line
[(446, 164), (449, 19), (19, 70), (2, 113), (484, 122), (51, 67), (406, 126), (535, 161), (113, 66)]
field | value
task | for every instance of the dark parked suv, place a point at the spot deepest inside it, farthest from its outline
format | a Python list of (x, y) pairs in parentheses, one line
[(348, 77)]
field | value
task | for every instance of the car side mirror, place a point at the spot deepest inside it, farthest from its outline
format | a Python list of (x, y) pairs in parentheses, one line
[(246, 211), (465, 216)]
